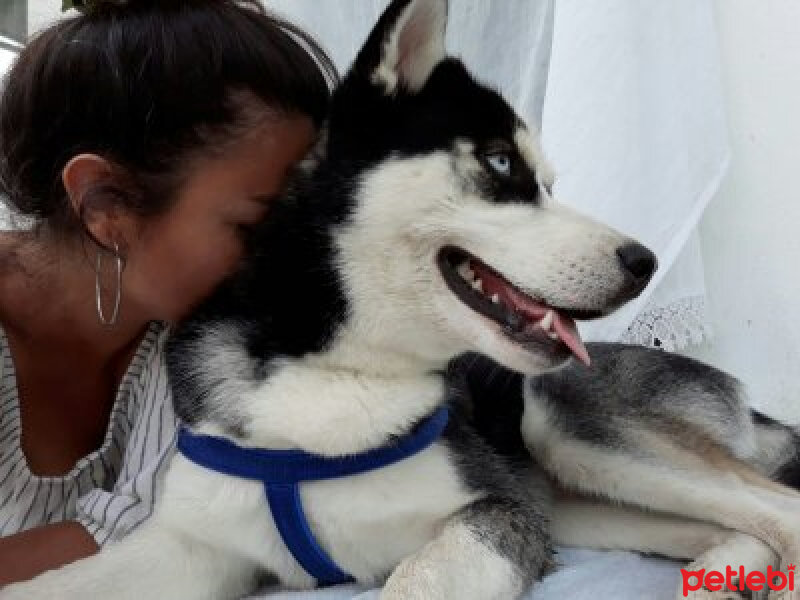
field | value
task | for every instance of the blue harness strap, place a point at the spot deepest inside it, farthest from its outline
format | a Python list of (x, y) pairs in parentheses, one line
[(281, 472), (287, 511)]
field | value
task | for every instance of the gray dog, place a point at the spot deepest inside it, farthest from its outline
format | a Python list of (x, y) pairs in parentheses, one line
[(657, 453)]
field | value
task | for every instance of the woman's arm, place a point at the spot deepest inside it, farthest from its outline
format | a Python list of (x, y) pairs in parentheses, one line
[(29, 553)]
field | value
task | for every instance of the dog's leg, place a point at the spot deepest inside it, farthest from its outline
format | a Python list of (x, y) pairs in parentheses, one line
[(593, 524), (596, 524), (153, 562), (674, 480), (491, 550), (739, 550)]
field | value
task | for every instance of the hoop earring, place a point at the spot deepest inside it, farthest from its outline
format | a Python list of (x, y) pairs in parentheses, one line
[(98, 293)]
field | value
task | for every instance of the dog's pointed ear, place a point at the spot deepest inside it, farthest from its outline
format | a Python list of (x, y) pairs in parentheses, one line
[(405, 46)]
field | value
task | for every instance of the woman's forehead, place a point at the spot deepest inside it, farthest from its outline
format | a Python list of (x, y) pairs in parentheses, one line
[(256, 164)]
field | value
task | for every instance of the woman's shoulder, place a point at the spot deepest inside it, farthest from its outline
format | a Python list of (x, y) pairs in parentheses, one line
[(143, 416), (148, 366), (145, 393), (152, 346)]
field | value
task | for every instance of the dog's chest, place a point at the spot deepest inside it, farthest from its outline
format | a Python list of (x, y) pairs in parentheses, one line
[(367, 523)]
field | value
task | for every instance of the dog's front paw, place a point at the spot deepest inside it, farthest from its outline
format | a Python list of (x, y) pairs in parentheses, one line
[(784, 582), (413, 581), (739, 551), (12, 592), (454, 565), (26, 590), (785, 594)]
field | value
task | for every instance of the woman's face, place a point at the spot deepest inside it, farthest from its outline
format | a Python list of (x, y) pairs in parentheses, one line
[(180, 256)]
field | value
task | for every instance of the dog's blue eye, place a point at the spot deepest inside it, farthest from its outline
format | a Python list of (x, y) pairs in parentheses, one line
[(500, 163)]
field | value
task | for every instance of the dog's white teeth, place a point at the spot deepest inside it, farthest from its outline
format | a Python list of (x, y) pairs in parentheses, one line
[(465, 272), (547, 321), (496, 299), (552, 335), (477, 285)]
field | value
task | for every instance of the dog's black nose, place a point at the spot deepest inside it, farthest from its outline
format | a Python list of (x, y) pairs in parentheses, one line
[(638, 261)]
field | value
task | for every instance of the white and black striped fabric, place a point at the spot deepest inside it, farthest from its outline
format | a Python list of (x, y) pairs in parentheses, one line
[(113, 489)]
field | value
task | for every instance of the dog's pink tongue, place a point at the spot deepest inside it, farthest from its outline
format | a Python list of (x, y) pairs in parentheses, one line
[(568, 332), (562, 325)]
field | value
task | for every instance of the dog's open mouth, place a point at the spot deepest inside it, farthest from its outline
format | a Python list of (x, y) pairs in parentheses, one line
[(526, 320)]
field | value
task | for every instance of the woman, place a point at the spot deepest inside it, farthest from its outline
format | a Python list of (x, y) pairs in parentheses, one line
[(137, 140)]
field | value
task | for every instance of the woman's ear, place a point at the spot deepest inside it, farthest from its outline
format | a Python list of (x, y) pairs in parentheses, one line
[(90, 185)]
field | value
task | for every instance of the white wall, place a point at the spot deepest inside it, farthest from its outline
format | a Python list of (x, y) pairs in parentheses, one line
[(750, 233), (6, 58), (42, 12)]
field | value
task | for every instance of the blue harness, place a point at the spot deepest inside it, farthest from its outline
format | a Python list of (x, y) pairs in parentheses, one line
[(281, 472)]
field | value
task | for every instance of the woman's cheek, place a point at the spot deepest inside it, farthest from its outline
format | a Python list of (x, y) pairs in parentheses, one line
[(170, 280), (220, 262)]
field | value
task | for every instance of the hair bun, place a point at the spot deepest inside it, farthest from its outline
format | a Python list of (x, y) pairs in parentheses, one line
[(85, 6)]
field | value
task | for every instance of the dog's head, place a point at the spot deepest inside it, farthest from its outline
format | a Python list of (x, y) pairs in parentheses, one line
[(453, 241)]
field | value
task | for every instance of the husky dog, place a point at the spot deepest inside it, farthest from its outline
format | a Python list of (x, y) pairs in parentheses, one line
[(652, 452), (424, 229)]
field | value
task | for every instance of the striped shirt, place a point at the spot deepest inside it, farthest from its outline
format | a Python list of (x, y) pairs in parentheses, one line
[(111, 490)]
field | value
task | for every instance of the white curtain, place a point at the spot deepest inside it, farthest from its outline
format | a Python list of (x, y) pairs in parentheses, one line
[(506, 42), (629, 99), (7, 57), (635, 126)]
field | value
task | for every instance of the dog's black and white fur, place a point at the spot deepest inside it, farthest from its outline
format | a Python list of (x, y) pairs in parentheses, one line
[(340, 333), (335, 336), (652, 452)]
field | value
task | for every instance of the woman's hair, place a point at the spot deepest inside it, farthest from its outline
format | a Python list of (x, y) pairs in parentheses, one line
[(148, 85)]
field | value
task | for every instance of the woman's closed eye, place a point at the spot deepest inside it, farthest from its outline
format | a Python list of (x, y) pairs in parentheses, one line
[(250, 214), (246, 229)]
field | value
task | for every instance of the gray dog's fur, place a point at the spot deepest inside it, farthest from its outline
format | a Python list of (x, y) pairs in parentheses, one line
[(654, 452)]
